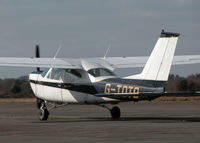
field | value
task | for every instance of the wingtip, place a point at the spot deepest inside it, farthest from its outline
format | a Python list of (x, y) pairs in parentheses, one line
[(168, 34)]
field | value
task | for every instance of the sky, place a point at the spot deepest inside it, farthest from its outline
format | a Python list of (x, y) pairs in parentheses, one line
[(84, 28)]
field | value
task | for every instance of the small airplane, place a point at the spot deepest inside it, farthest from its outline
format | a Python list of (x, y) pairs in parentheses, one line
[(93, 81)]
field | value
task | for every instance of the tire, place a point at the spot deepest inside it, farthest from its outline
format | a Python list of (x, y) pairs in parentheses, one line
[(115, 112), (44, 114)]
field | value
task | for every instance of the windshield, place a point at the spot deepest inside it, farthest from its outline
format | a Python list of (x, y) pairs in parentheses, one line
[(100, 72), (44, 72)]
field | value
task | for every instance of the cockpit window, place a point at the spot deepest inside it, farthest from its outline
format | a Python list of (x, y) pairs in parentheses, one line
[(100, 72)]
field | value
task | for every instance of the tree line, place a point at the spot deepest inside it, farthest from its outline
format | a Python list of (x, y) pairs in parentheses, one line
[(177, 83)]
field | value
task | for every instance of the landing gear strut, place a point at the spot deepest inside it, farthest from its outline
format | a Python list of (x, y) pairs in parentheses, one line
[(115, 111), (39, 102), (45, 107)]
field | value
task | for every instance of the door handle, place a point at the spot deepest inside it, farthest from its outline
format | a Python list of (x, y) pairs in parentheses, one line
[(59, 85)]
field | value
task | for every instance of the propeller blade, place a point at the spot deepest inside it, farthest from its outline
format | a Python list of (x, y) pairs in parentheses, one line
[(37, 51), (37, 54)]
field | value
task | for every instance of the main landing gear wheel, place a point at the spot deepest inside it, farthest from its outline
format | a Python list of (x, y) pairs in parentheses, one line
[(44, 113), (115, 112)]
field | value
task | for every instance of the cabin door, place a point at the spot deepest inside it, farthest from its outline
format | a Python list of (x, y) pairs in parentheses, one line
[(52, 86)]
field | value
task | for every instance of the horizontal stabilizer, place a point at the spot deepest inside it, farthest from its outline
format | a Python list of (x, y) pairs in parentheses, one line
[(131, 96), (147, 96), (182, 94)]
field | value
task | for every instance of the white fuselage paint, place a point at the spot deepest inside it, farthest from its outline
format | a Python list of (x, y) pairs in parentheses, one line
[(64, 95)]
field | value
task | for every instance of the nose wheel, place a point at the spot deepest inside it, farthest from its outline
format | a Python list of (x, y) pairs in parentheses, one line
[(45, 107), (43, 113)]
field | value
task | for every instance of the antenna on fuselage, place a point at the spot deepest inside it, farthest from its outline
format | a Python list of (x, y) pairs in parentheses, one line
[(109, 46), (58, 50)]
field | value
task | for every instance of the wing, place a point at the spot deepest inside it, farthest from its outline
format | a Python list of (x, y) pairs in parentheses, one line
[(40, 62), (132, 62), (110, 62), (188, 59)]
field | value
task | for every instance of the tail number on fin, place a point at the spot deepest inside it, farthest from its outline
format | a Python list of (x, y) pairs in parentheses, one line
[(120, 89)]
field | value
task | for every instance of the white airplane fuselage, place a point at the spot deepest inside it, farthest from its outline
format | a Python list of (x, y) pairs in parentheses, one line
[(63, 95)]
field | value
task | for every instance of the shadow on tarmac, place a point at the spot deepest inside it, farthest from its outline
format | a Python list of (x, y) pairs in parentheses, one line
[(134, 119)]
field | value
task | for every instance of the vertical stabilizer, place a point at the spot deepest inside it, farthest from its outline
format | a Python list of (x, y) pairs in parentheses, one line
[(159, 63)]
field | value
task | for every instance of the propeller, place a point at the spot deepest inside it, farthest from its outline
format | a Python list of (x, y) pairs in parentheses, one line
[(37, 54), (39, 102)]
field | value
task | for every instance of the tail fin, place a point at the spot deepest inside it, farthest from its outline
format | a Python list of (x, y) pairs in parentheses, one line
[(159, 63)]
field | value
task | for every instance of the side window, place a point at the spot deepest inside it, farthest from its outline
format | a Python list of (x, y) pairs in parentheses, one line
[(70, 75), (100, 72), (94, 72), (55, 74), (74, 72)]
